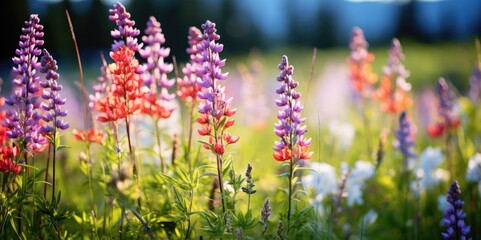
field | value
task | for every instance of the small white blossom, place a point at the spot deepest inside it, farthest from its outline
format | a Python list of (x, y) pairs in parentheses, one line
[(361, 172), (427, 170), (322, 180), (473, 173)]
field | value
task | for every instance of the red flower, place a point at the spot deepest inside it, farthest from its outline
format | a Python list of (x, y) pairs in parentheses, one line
[(283, 154), (303, 153), (151, 105), (3, 130), (91, 135), (188, 89), (122, 97), (6, 160), (393, 99), (230, 139), (219, 148), (438, 129)]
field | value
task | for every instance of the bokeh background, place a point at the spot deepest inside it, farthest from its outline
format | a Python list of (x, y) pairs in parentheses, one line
[(438, 37), (247, 24)]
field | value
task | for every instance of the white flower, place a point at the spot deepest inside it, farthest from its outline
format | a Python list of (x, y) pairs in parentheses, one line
[(342, 132), (370, 217), (322, 180), (473, 173), (428, 172), (362, 171)]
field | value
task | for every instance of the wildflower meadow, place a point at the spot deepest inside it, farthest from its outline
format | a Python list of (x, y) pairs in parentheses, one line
[(155, 148)]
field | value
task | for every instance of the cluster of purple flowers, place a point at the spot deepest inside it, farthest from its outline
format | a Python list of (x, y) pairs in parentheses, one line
[(25, 112), (454, 216), (155, 69), (126, 32), (51, 93), (290, 128), (405, 138)]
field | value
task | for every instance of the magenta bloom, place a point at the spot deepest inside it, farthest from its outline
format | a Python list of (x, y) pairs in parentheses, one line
[(22, 119)]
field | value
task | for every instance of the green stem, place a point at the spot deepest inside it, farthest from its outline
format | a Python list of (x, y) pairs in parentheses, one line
[(159, 144), (132, 157), (46, 173), (189, 140), (188, 219), (291, 162), (53, 163), (219, 177), (144, 223), (121, 223)]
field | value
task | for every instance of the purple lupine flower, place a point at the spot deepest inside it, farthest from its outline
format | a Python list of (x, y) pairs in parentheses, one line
[(405, 139), (126, 32), (51, 90), (290, 128), (188, 88), (395, 67), (475, 84), (210, 73), (155, 69), (215, 108), (22, 119), (454, 216), (101, 86), (265, 213), (448, 112)]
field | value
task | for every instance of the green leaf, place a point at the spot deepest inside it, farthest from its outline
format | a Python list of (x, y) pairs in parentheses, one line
[(285, 174)]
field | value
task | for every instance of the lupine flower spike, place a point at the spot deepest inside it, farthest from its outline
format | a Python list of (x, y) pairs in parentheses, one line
[(53, 107), (405, 139), (216, 112), (188, 87), (292, 146), (290, 128), (394, 89), (51, 93), (361, 74), (454, 216), (23, 118), (155, 72), (448, 115), (265, 213), (123, 96)]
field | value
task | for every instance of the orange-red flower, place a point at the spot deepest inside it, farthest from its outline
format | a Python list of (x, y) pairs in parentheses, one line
[(7, 164), (361, 74), (283, 154), (123, 95), (393, 99), (91, 135), (393, 91), (152, 106)]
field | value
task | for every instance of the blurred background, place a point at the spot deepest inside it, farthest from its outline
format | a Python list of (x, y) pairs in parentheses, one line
[(436, 35), (244, 24)]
